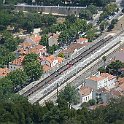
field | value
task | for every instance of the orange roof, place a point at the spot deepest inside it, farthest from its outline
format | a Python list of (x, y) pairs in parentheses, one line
[(109, 76), (120, 80), (46, 68), (85, 90), (23, 51), (80, 40), (121, 87), (97, 78), (25, 45), (4, 72), (36, 39), (36, 49), (122, 69), (18, 61), (50, 58), (71, 48), (60, 59), (53, 35)]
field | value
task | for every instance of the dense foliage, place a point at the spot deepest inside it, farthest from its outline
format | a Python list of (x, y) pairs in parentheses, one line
[(8, 44), (26, 21), (16, 110), (113, 68), (108, 10), (62, 2)]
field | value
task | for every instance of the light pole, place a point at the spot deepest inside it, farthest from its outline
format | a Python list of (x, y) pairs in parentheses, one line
[(57, 90)]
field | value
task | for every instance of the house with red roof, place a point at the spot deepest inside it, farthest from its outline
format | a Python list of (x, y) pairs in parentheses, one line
[(51, 61), (16, 64), (82, 40), (103, 80), (86, 94), (4, 72)]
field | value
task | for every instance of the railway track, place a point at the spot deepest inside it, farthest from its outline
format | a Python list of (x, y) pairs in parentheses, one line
[(50, 91), (65, 67)]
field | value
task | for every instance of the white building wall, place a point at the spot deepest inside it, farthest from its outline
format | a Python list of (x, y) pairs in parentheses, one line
[(87, 98), (14, 67), (102, 83), (54, 63), (111, 83), (48, 63)]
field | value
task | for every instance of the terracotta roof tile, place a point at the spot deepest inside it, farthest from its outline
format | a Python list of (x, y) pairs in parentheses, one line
[(120, 80), (18, 61), (36, 39), (71, 48), (46, 68), (110, 77), (4, 72), (50, 58), (85, 90), (97, 78), (60, 59)]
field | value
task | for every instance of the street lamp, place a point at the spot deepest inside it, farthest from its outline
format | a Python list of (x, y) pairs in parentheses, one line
[(57, 90), (122, 26)]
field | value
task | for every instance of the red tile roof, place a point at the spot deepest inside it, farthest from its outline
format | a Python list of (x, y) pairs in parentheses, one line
[(4, 72), (109, 76), (18, 61), (36, 39), (85, 90)]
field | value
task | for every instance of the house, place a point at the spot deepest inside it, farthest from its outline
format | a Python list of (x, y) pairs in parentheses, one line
[(85, 93), (38, 49), (100, 81), (36, 30), (51, 61), (53, 39), (101, 95), (16, 64), (29, 46), (82, 40), (36, 39), (72, 48), (4, 72)]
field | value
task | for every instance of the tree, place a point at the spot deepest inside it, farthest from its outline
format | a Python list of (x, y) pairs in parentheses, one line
[(33, 69), (103, 25), (69, 94), (102, 70), (71, 18), (18, 77), (6, 85), (30, 58), (92, 102), (114, 66), (44, 41), (92, 9), (54, 116), (85, 14), (61, 55)]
